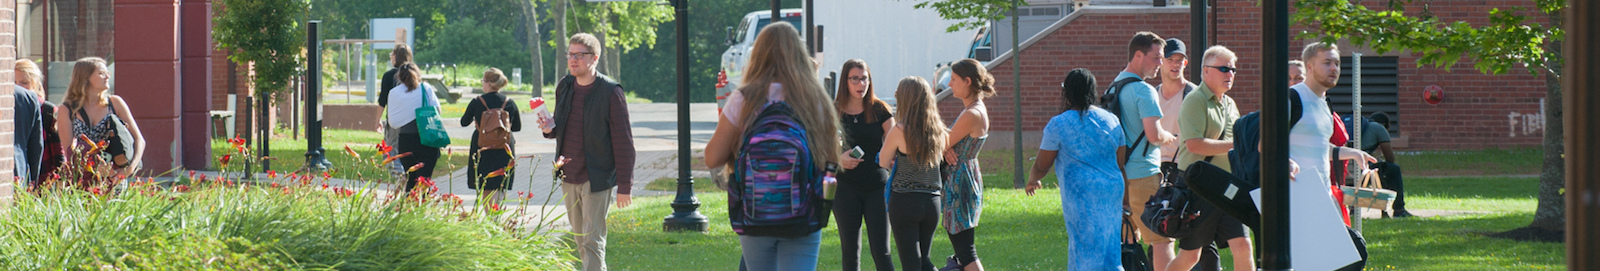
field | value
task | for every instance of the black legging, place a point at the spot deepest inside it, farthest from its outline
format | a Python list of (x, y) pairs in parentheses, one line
[(913, 217), (851, 206), (965, 247), (429, 156)]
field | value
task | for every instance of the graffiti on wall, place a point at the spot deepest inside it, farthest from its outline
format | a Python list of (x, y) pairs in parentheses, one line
[(1526, 124)]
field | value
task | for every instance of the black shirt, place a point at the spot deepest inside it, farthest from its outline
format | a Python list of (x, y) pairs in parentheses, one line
[(385, 84), (867, 134)]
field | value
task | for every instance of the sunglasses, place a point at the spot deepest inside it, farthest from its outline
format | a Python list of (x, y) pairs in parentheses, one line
[(858, 79), (1225, 69)]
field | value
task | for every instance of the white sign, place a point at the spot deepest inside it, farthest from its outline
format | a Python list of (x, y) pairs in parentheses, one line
[(385, 29)]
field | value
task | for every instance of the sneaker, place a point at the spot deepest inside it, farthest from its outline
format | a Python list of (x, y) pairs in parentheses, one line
[(951, 264)]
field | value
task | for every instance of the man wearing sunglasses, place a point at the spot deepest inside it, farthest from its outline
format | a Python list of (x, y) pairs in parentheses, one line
[(1205, 132)]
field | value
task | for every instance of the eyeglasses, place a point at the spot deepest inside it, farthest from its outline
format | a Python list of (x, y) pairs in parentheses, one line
[(858, 79), (1225, 69), (578, 54)]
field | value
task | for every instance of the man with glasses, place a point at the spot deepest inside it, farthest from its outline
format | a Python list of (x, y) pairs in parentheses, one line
[(1206, 132), (598, 149)]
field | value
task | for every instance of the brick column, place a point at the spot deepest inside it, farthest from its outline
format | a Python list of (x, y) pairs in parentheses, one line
[(8, 56), (146, 49), (196, 65)]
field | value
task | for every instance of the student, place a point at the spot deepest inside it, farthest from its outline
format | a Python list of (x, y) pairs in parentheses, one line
[(1083, 144), (90, 105), (962, 201), (403, 102), (482, 163), (780, 71), (1313, 206), (860, 197), (597, 138), (1141, 115), (913, 149)]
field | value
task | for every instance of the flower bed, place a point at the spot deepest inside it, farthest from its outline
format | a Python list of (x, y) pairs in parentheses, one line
[(285, 222)]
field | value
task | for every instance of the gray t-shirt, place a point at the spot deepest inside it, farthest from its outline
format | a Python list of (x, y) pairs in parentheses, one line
[(1372, 134)]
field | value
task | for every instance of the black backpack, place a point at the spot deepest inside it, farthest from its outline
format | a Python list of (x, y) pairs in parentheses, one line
[(1112, 104), (1246, 155)]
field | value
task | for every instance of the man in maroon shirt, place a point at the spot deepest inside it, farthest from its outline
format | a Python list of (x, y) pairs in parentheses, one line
[(591, 130)]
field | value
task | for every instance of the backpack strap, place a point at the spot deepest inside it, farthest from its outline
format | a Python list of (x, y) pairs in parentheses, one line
[(1296, 108), (1118, 85)]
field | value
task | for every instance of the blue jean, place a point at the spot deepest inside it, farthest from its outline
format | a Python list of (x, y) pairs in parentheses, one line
[(763, 253)]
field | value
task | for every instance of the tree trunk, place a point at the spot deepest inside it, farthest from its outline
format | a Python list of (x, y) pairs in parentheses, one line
[(561, 41), (608, 62), (531, 20), (1550, 215)]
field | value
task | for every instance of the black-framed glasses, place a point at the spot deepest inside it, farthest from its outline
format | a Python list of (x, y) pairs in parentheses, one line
[(578, 54), (858, 79), (1225, 69)]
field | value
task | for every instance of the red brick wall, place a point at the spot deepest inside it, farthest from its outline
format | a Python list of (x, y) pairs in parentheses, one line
[(8, 56), (1477, 112)]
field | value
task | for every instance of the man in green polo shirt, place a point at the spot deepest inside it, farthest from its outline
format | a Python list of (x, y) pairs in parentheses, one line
[(1205, 132)]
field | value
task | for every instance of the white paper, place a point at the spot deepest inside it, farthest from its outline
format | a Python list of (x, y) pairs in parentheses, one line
[(1317, 235)]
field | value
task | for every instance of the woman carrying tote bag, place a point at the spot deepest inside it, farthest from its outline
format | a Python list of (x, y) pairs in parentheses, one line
[(404, 101), (92, 112)]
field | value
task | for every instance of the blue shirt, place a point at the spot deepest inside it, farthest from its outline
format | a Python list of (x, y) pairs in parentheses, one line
[(1139, 101), (1085, 145)]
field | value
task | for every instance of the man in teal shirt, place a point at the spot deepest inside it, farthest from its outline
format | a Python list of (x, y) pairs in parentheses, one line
[(1141, 114)]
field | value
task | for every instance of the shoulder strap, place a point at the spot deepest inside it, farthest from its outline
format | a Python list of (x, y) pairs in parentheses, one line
[(1118, 85), (84, 116), (1296, 108)]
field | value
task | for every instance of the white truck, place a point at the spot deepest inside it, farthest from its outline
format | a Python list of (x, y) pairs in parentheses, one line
[(739, 42)]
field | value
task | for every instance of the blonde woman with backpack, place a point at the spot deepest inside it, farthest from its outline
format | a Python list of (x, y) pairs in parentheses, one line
[(780, 72), (492, 144)]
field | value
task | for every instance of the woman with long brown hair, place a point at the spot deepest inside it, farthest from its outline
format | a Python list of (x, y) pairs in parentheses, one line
[(912, 148), (963, 187), (89, 106), (780, 71), (860, 197)]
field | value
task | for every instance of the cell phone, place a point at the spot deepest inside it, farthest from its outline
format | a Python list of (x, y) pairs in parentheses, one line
[(856, 152)]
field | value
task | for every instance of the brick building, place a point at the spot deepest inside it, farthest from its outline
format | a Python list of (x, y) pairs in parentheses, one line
[(1478, 110)]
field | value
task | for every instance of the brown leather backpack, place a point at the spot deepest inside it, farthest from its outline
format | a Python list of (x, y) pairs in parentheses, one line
[(494, 124)]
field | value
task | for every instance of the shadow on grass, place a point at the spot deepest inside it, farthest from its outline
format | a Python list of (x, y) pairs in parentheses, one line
[(1458, 243)]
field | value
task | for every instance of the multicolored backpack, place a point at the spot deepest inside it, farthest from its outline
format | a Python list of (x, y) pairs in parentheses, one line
[(776, 188)]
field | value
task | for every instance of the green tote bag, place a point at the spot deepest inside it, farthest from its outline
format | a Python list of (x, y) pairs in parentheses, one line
[(429, 127)]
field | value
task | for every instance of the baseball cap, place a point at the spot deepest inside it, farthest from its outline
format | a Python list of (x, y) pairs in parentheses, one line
[(1174, 46)]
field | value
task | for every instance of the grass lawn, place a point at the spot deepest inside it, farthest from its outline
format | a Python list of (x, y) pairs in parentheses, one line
[(701, 185), (1027, 233), (291, 154), (1472, 163)]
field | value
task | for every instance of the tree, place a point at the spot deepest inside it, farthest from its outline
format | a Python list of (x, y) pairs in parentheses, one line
[(531, 22), (621, 26), (266, 33), (972, 14), (1509, 39)]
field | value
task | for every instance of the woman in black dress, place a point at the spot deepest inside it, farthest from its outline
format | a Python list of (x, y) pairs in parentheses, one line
[(481, 164)]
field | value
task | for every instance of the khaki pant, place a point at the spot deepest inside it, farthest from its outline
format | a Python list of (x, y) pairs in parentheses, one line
[(1139, 191), (587, 213)]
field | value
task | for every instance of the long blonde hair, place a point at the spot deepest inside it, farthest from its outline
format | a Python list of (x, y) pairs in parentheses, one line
[(78, 89), (779, 57), (919, 121)]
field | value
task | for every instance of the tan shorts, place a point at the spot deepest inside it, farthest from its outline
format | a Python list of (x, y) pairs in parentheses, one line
[(1139, 191)]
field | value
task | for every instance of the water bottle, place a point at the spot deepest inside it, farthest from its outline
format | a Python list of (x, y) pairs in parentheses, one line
[(830, 184)]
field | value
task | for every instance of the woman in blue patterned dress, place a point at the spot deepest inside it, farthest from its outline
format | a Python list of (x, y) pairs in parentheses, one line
[(1082, 143), (963, 183)]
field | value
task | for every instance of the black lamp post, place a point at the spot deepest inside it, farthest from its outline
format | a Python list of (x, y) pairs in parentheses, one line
[(315, 158), (685, 215), (1275, 136)]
